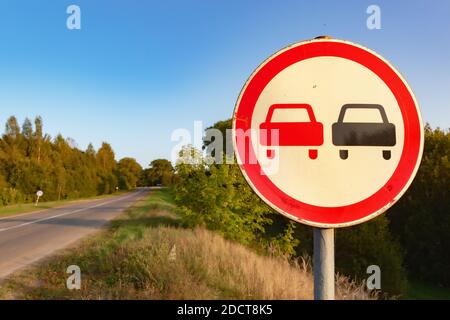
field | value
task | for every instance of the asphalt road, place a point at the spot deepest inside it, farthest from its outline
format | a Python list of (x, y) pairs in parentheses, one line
[(27, 238)]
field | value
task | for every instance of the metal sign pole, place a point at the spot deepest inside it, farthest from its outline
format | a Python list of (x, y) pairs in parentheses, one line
[(324, 282)]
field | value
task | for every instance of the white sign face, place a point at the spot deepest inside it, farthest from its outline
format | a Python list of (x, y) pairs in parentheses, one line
[(40, 193), (327, 84), (336, 135)]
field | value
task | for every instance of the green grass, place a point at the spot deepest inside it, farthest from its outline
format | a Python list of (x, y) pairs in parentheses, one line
[(30, 207), (422, 291)]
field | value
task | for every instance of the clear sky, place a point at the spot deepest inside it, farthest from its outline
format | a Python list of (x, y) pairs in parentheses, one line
[(137, 69)]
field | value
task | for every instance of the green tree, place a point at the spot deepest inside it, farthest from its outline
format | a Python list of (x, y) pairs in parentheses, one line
[(160, 172), (217, 197), (371, 243), (38, 123), (224, 128), (129, 171), (90, 151), (106, 158), (421, 217), (107, 169), (12, 128), (27, 133), (27, 129)]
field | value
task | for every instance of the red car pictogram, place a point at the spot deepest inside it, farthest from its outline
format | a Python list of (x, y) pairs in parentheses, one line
[(292, 133)]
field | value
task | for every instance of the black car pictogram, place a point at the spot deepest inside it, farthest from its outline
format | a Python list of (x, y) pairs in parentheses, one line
[(363, 133)]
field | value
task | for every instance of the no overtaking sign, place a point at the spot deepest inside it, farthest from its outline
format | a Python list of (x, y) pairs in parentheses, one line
[(328, 133)]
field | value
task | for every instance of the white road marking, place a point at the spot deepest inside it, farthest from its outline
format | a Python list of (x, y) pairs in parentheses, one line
[(64, 214)]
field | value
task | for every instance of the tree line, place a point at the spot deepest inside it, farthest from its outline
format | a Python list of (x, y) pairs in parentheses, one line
[(411, 241), (31, 160)]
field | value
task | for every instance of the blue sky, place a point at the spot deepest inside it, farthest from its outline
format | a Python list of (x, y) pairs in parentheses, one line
[(137, 70)]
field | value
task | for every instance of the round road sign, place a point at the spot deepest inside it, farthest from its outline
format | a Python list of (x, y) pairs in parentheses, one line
[(40, 193), (328, 133)]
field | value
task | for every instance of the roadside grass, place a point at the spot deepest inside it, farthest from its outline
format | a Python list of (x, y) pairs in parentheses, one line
[(16, 209), (422, 291), (146, 254)]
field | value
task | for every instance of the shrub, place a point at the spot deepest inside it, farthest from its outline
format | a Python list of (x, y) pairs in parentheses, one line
[(368, 244), (9, 196), (218, 198), (421, 218)]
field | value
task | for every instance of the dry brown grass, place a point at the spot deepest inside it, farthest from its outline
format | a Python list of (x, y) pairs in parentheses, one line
[(146, 256)]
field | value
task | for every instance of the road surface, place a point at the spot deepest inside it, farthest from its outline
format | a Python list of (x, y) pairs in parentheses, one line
[(27, 238)]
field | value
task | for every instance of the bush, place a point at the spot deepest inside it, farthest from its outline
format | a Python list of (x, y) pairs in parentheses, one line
[(284, 244), (9, 196), (218, 198), (421, 218), (368, 244)]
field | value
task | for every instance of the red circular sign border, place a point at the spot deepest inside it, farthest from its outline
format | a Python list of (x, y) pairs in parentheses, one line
[(343, 215)]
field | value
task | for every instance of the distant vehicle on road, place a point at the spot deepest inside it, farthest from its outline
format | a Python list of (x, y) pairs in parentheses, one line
[(308, 134), (363, 133)]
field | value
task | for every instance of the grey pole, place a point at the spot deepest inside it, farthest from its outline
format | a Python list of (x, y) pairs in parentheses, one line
[(324, 282)]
